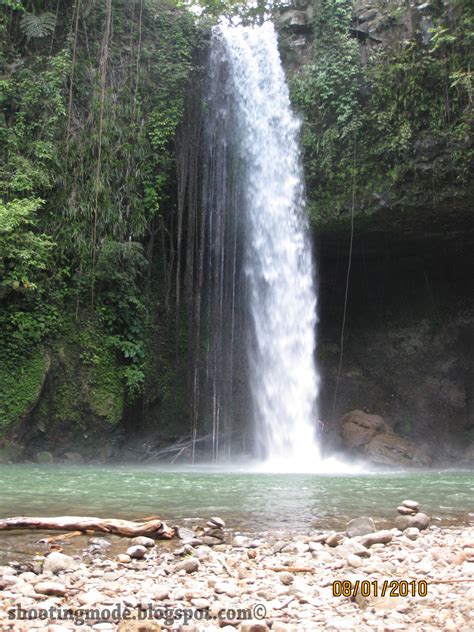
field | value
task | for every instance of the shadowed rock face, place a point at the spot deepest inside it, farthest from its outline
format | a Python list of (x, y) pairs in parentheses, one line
[(371, 437)]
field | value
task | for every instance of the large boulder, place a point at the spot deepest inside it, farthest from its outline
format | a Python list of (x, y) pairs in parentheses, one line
[(387, 448), (371, 437), (357, 428)]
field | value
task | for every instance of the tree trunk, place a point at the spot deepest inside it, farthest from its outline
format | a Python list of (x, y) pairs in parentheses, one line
[(125, 528)]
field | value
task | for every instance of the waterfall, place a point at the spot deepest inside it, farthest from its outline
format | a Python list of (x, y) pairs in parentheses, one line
[(261, 297)]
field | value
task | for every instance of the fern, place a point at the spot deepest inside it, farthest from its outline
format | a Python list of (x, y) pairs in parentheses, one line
[(35, 26)]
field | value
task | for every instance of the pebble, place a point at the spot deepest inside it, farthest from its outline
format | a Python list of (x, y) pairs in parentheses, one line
[(123, 558), (334, 539), (405, 511), (354, 560), (136, 552), (360, 526), (216, 522), (241, 541), (378, 537), (142, 540), (411, 504), (190, 565), (412, 533), (286, 578), (50, 588)]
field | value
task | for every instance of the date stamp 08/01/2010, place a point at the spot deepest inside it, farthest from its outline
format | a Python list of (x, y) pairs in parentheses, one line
[(375, 588)]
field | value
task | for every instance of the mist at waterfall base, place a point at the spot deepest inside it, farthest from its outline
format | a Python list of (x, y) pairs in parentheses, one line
[(262, 290)]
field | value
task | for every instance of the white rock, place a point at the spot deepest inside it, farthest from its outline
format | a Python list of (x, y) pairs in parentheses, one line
[(189, 566), (142, 540), (136, 552), (241, 541), (412, 533), (411, 504), (286, 578), (57, 562), (354, 560)]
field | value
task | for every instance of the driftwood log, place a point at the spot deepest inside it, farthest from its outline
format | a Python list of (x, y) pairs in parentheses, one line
[(153, 528)]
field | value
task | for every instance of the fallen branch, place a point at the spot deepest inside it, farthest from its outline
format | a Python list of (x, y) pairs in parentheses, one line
[(125, 528)]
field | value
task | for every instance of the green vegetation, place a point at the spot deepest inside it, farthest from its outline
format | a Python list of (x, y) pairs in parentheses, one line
[(92, 96), (21, 385), (391, 134)]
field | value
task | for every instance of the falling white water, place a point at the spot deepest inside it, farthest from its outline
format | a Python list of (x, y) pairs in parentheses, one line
[(278, 268)]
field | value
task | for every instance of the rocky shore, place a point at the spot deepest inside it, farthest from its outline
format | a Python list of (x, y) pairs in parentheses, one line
[(410, 577)]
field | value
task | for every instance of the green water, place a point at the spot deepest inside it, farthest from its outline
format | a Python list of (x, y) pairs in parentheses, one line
[(248, 501)]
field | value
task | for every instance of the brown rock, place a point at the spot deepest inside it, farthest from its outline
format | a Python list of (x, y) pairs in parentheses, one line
[(379, 537), (357, 428), (388, 448), (405, 511), (334, 539), (419, 520), (50, 588)]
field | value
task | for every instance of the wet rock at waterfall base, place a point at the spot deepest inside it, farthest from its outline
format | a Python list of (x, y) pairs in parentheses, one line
[(357, 428), (370, 437)]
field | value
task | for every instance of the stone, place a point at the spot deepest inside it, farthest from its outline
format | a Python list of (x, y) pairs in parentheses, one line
[(214, 533), (357, 428), (378, 537), (210, 540), (136, 552), (241, 541), (412, 532), (185, 534), (43, 457), (354, 547), (57, 562), (360, 526), (50, 588), (286, 578), (123, 558), (411, 504), (405, 511), (387, 448), (420, 520), (90, 597), (161, 593), (216, 522), (201, 604), (100, 543), (190, 565), (354, 560), (142, 540), (334, 539)]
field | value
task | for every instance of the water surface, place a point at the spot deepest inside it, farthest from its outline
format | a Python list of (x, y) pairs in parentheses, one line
[(250, 501)]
